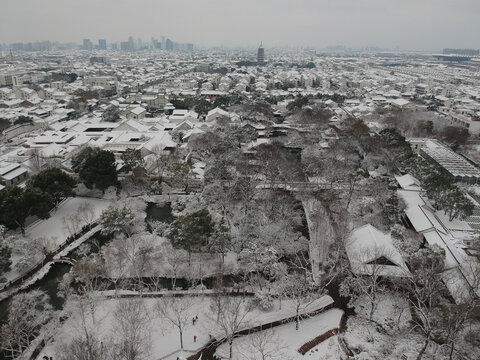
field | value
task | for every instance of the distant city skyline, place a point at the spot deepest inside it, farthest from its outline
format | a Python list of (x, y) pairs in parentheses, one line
[(429, 25)]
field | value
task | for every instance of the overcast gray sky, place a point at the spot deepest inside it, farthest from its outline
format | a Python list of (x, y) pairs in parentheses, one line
[(408, 24)]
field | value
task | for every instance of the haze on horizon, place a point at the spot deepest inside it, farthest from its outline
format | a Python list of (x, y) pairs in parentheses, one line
[(407, 24)]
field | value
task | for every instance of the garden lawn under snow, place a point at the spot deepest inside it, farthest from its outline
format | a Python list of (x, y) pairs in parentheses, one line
[(164, 337), (283, 342), (54, 227), (51, 233)]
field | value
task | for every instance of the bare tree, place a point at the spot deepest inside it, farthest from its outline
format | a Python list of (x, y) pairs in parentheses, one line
[(160, 160), (366, 280), (88, 272), (80, 349), (37, 159), (72, 223), (46, 245), (132, 329), (27, 313), (425, 292), (219, 290), (86, 213), (301, 292), (177, 311), (233, 312), (263, 345), (134, 254), (195, 274), (176, 262), (454, 318), (88, 344)]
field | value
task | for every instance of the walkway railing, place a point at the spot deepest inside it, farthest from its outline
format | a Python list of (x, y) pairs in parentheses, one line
[(50, 257)]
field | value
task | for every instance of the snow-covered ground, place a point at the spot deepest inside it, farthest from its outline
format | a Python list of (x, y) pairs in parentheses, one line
[(54, 227), (284, 341), (164, 336), (53, 232), (388, 336)]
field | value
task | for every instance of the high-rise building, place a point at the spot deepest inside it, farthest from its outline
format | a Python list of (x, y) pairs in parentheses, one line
[(131, 44), (169, 45), (102, 44), (261, 54), (87, 44)]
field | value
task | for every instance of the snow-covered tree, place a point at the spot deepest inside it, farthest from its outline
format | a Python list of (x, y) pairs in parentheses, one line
[(111, 114), (5, 254), (232, 313), (130, 256), (259, 261), (159, 161), (117, 220), (407, 242), (181, 175), (220, 241), (27, 313), (132, 330), (425, 291), (191, 232), (368, 284), (88, 273), (301, 292), (89, 343), (176, 261), (132, 159), (26, 251), (79, 348)]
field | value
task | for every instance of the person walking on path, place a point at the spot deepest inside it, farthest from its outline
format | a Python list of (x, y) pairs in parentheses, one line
[(194, 338)]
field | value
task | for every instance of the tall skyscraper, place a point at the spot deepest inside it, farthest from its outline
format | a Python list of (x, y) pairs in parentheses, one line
[(261, 54), (131, 44), (87, 44), (102, 44)]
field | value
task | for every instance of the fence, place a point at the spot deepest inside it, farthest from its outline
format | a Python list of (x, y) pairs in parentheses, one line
[(48, 258)]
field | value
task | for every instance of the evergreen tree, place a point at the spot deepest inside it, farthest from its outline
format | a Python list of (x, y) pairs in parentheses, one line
[(111, 114), (191, 232), (38, 202), (117, 220), (5, 262), (53, 182), (132, 159), (182, 174), (96, 167), (13, 209), (220, 241)]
